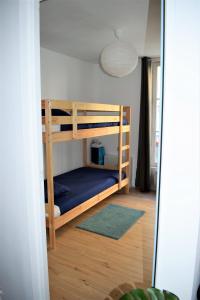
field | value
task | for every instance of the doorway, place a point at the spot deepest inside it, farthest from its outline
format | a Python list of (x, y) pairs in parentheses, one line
[(97, 264)]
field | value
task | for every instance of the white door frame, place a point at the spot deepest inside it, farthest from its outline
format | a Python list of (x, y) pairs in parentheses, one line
[(23, 249), (23, 255), (177, 257)]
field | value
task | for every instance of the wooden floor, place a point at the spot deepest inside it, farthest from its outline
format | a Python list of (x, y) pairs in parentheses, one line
[(87, 266)]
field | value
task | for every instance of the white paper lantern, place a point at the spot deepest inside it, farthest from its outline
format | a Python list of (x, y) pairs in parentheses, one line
[(118, 59)]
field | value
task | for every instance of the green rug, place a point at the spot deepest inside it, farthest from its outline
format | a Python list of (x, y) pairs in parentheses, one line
[(112, 221)]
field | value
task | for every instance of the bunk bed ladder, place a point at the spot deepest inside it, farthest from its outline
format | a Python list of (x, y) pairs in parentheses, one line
[(126, 148), (124, 165)]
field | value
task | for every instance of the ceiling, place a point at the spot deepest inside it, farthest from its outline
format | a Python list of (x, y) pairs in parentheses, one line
[(82, 28)]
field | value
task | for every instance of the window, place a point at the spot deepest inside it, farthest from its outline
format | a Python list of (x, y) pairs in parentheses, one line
[(155, 113)]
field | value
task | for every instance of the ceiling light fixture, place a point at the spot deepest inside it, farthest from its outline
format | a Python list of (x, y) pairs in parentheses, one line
[(119, 58)]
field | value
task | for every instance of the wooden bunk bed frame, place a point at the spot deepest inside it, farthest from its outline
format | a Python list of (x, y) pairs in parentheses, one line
[(50, 137)]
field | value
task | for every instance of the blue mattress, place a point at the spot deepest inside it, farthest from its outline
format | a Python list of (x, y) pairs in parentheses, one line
[(83, 183), (68, 127)]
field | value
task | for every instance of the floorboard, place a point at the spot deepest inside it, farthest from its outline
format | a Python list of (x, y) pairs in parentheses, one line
[(87, 266)]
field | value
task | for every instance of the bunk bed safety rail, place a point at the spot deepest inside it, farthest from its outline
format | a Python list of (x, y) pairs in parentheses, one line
[(68, 105), (124, 148), (83, 113)]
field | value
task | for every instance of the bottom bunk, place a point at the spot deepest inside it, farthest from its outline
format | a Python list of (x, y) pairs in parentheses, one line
[(78, 190)]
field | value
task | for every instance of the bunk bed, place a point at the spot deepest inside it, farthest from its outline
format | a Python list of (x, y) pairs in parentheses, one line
[(72, 193)]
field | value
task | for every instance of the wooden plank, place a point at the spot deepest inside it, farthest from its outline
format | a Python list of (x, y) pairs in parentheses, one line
[(97, 107), (97, 119), (61, 104), (125, 147), (82, 119), (62, 136), (88, 133), (66, 104), (125, 164), (73, 213), (74, 120), (43, 104), (124, 182), (120, 146), (85, 148), (49, 173), (128, 142), (59, 120)]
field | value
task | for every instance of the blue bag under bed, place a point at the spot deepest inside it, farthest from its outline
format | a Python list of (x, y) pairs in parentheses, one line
[(83, 184)]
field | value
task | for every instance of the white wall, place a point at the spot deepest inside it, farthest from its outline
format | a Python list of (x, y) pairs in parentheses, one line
[(65, 77), (23, 254), (124, 91), (178, 265), (152, 40)]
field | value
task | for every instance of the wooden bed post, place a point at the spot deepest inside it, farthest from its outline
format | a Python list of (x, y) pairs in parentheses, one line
[(85, 150), (49, 173), (125, 148), (120, 146), (128, 157), (74, 120), (85, 160)]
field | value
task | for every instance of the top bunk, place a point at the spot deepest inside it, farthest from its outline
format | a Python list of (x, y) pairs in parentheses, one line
[(72, 120)]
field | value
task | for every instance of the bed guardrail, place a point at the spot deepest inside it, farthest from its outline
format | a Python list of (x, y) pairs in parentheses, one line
[(80, 113)]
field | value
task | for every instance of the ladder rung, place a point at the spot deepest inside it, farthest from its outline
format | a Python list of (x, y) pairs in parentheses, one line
[(125, 147), (125, 164)]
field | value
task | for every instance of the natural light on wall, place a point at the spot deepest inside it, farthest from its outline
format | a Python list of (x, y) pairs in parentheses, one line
[(118, 59)]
